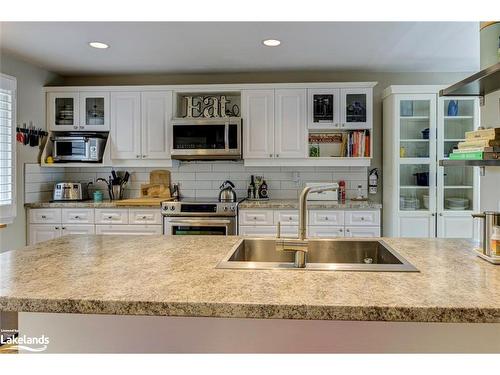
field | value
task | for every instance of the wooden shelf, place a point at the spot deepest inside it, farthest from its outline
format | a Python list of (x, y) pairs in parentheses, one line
[(469, 163)]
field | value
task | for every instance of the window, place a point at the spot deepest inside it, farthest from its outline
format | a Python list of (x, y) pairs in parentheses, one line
[(7, 149)]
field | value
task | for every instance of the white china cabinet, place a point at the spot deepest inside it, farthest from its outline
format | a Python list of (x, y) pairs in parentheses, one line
[(422, 199)]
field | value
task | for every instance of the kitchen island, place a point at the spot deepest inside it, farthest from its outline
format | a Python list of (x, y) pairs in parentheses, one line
[(158, 293)]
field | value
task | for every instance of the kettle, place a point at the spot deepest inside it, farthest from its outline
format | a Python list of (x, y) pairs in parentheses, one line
[(227, 193)]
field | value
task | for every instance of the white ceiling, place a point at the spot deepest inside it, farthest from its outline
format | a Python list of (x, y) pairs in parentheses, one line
[(202, 47)]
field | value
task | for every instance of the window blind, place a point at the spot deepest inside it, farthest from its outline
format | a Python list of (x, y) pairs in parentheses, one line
[(7, 149)]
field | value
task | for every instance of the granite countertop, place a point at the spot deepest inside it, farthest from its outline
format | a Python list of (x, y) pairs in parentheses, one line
[(84, 204), (176, 276), (294, 204)]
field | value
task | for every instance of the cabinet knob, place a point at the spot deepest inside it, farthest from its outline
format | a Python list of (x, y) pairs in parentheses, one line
[(75, 127), (326, 217), (440, 214), (433, 214), (77, 217), (144, 217), (82, 127), (138, 156), (343, 124), (347, 230), (44, 217), (144, 156), (63, 228), (270, 155), (277, 155), (341, 230), (57, 227), (362, 218), (110, 217)]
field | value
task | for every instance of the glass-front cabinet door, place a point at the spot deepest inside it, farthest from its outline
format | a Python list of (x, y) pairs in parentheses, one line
[(94, 111), (63, 111), (457, 186), (356, 108), (323, 108), (415, 156)]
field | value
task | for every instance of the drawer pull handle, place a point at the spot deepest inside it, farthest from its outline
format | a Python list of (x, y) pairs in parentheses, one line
[(326, 217), (44, 217), (144, 217), (110, 217), (362, 218), (57, 227), (77, 217)]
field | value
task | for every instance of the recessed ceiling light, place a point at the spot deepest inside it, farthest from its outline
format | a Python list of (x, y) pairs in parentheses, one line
[(98, 45), (271, 42)]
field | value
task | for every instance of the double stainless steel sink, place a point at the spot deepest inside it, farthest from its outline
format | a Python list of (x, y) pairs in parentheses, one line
[(322, 254)]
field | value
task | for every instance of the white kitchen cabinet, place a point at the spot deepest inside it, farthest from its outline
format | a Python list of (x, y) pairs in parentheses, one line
[(63, 111), (111, 216), (323, 109), (325, 231), (290, 128), (256, 217), (356, 108), (364, 218), (45, 216), (257, 231), (156, 113), (418, 132), (68, 229), (257, 108), (326, 217), (128, 229), (126, 125), (77, 216), (286, 217), (362, 231), (43, 232), (416, 226), (144, 216), (94, 111)]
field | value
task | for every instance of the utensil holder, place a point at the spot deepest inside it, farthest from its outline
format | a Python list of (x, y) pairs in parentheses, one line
[(116, 192)]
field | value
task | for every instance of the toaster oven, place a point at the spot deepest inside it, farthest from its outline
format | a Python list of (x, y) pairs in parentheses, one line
[(79, 147)]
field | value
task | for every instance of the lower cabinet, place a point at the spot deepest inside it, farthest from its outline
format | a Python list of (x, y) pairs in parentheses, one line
[(325, 223), (49, 223)]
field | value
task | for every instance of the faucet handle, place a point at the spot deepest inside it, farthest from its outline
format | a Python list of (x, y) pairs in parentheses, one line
[(278, 229)]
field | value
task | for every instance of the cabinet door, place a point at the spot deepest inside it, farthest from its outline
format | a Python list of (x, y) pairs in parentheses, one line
[(94, 111), (326, 217), (257, 112), (286, 217), (356, 108), (362, 231), (125, 125), (77, 229), (156, 111), (325, 232), (43, 232), (256, 217), (323, 109), (290, 128), (63, 111), (128, 229), (362, 218), (455, 226), (257, 231), (421, 226)]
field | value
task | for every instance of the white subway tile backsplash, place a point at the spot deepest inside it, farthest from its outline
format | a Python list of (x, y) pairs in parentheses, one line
[(198, 179)]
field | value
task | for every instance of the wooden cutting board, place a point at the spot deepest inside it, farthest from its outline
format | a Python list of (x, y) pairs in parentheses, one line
[(144, 201)]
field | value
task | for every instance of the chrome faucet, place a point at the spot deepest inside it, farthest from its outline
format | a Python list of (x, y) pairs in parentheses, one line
[(300, 245)]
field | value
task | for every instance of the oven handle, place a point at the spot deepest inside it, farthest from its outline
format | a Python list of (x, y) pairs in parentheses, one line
[(200, 222)]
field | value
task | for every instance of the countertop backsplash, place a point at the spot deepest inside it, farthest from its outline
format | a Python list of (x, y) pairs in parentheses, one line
[(197, 179)]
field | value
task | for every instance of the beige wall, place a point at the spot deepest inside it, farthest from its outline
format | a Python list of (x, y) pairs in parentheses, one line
[(30, 107), (383, 79)]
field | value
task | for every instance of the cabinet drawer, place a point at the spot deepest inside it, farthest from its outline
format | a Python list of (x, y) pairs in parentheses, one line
[(128, 229), (45, 216), (144, 216), (257, 231), (326, 217), (78, 215), (362, 218), (325, 232), (43, 232), (289, 231), (362, 231), (257, 217), (111, 216), (288, 217), (78, 229)]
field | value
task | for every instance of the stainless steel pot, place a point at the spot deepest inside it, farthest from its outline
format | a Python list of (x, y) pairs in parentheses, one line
[(227, 193), (491, 219)]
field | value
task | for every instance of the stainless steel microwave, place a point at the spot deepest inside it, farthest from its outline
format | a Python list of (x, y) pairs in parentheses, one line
[(206, 139), (79, 147)]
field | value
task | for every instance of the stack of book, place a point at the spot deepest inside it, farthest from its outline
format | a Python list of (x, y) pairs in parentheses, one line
[(481, 144)]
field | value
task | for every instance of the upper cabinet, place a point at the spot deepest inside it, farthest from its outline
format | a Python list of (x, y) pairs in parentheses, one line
[(290, 131), (323, 108), (356, 108), (140, 125), (78, 111), (258, 127)]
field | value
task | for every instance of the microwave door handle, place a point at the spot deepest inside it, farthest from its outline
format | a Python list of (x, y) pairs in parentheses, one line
[(226, 136)]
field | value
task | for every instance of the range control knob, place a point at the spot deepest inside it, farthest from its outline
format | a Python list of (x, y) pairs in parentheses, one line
[(225, 208), (232, 208), (172, 208)]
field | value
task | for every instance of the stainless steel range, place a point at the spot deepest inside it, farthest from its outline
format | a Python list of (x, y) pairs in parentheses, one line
[(199, 217)]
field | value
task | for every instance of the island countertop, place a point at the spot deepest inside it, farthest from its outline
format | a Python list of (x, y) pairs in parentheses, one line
[(176, 276)]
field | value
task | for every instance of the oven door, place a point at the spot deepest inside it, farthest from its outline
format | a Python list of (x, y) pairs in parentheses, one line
[(194, 139), (71, 149), (199, 226)]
